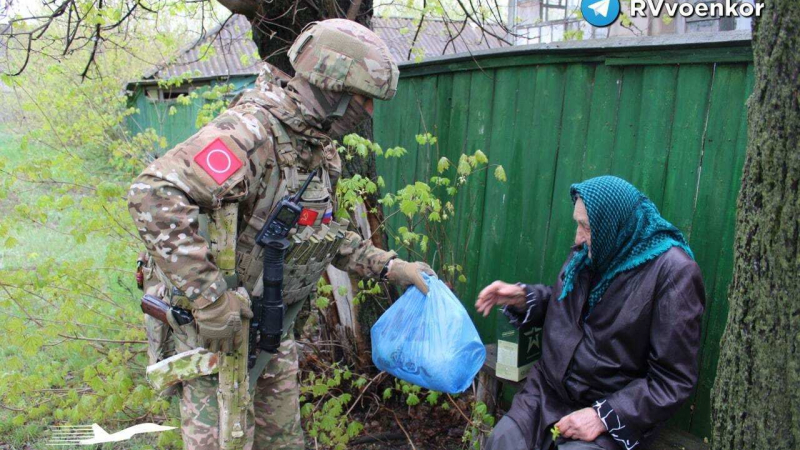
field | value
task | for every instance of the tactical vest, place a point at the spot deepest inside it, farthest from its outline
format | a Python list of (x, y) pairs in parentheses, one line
[(315, 240)]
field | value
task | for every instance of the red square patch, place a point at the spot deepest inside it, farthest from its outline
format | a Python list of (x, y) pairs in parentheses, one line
[(307, 217), (218, 161)]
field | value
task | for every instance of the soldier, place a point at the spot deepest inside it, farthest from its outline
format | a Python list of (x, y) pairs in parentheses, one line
[(262, 148)]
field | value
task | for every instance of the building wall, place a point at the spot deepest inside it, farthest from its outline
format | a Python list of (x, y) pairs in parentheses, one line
[(541, 21), (154, 110), (544, 21), (672, 121)]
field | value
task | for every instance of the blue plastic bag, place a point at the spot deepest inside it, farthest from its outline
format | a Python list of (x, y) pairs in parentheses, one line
[(428, 340)]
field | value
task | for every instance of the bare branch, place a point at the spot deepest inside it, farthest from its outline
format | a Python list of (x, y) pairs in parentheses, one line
[(419, 28), (352, 12)]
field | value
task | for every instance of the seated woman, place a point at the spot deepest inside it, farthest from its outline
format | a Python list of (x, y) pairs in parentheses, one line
[(620, 329)]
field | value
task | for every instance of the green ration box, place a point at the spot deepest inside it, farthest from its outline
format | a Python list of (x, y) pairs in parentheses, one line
[(516, 350)]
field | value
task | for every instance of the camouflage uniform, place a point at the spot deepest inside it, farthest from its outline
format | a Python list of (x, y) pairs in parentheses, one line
[(275, 135)]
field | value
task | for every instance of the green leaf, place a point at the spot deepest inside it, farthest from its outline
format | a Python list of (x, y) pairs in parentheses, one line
[(327, 423), (322, 302), (109, 190), (463, 166), (412, 400), (354, 429), (443, 164), (409, 207), (6, 79), (306, 410), (387, 393), (500, 173), (10, 242), (319, 389), (480, 157)]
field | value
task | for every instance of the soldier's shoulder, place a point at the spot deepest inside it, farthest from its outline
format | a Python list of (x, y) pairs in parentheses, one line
[(223, 158)]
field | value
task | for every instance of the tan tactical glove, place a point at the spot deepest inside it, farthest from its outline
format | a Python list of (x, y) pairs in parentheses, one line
[(221, 321), (403, 274)]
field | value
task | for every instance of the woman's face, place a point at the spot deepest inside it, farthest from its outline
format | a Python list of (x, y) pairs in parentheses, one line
[(581, 217)]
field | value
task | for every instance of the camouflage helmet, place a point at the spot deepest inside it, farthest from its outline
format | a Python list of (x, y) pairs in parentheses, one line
[(343, 56)]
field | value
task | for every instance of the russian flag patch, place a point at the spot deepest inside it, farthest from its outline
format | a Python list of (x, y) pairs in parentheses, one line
[(327, 217)]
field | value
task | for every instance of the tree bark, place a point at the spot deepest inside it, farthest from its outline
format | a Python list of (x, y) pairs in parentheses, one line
[(276, 23), (756, 401)]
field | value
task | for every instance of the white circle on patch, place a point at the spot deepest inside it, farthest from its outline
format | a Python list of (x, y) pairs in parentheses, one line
[(215, 169)]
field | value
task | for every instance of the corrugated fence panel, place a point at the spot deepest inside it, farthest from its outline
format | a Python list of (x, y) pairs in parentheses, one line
[(675, 127)]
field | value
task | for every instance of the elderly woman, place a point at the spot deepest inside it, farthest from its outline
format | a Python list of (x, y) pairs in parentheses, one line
[(621, 328)]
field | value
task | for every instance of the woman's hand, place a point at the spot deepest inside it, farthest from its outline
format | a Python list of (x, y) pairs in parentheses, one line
[(583, 424), (500, 293)]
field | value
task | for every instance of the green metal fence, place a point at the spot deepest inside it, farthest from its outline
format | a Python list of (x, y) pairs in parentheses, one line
[(667, 114)]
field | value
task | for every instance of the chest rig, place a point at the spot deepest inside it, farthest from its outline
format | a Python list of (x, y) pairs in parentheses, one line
[(317, 237)]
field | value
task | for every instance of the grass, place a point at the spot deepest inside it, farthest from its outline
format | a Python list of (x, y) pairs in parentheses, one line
[(34, 244)]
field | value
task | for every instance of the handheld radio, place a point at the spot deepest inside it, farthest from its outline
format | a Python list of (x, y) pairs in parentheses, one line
[(266, 328)]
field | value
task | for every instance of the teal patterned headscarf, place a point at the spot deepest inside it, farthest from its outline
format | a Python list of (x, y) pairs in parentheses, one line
[(626, 228)]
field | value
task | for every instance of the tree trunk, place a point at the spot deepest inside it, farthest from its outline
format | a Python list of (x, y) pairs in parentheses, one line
[(276, 23), (756, 401)]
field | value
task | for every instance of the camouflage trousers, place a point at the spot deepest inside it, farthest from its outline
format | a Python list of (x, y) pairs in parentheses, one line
[(273, 419)]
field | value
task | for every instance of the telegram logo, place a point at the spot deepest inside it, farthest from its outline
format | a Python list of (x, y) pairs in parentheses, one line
[(600, 13)]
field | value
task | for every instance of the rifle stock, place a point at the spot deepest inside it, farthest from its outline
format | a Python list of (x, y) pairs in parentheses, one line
[(158, 309), (155, 308)]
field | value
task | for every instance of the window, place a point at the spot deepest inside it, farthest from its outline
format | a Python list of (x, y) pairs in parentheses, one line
[(545, 21), (713, 23), (173, 93), (156, 94), (556, 10)]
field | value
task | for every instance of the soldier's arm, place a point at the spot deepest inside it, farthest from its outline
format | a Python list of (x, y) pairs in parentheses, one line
[(358, 256), (221, 162)]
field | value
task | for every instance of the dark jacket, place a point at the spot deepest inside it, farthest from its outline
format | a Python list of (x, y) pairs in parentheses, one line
[(634, 358)]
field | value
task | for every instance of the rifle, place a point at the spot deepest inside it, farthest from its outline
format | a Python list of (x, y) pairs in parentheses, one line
[(157, 309), (267, 325)]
